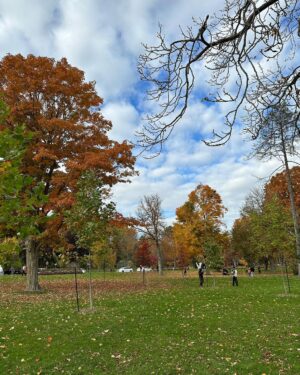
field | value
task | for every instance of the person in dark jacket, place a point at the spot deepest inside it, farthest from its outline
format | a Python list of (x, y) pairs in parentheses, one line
[(201, 268), (235, 277)]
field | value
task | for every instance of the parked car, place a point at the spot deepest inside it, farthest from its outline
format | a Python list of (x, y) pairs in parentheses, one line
[(146, 269), (125, 269)]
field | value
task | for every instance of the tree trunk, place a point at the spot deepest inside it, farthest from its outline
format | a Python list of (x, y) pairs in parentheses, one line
[(159, 259), (273, 265), (293, 207), (32, 258)]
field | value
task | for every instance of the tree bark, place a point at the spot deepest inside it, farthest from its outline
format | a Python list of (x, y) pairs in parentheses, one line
[(32, 258), (159, 259), (293, 205)]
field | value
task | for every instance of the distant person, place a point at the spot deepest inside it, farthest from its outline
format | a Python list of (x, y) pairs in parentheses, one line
[(12, 270), (249, 271), (201, 268), (184, 271), (234, 277), (252, 269), (23, 273)]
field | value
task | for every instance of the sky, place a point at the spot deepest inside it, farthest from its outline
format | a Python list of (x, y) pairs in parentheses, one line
[(104, 38)]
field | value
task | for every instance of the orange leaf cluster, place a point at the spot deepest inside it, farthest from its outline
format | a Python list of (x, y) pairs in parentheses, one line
[(199, 221), (278, 187), (53, 100)]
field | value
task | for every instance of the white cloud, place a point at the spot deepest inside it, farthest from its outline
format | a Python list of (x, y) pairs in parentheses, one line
[(104, 39), (26, 26), (125, 119)]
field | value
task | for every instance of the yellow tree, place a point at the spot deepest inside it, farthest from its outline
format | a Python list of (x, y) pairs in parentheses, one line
[(199, 222)]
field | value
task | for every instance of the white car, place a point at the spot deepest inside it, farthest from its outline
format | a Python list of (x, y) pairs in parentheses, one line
[(125, 269), (1, 270)]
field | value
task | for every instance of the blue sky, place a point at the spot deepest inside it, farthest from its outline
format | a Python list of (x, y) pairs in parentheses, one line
[(103, 38)]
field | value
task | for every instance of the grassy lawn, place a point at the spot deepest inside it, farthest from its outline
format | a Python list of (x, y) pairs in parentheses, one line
[(168, 326)]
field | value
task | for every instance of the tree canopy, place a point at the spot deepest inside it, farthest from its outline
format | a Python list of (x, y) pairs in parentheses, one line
[(53, 102), (199, 222), (264, 232), (20, 195)]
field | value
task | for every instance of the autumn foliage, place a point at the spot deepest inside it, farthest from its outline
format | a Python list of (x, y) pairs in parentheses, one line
[(143, 255), (69, 136), (199, 222), (53, 100), (278, 187), (264, 233)]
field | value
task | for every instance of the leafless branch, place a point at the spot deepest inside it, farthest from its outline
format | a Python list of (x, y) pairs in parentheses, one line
[(241, 42)]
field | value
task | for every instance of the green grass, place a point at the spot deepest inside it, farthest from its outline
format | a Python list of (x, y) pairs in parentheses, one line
[(169, 326)]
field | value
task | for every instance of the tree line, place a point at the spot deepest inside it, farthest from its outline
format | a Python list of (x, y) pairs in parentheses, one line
[(264, 232), (58, 164)]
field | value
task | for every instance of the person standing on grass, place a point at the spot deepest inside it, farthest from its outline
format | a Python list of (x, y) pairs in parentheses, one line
[(234, 277), (23, 271), (201, 268)]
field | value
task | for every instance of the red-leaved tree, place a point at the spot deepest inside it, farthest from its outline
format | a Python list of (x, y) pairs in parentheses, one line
[(143, 256)]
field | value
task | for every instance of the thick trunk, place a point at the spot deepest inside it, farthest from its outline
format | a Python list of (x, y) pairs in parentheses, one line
[(32, 257)]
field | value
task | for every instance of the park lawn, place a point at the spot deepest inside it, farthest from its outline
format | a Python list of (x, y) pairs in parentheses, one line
[(168, 326)]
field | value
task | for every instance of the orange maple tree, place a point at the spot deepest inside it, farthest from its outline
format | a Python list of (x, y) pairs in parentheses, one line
[(53, 100), (278, 187), (199, 221)]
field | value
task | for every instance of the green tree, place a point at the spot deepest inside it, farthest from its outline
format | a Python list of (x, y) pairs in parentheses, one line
[(89, 217), (275, 137), (102, 254), (272, 231), (241, 240), (214, 256), (20, 195), (91, 212), (124, 242), (9, 253), (265, 230)]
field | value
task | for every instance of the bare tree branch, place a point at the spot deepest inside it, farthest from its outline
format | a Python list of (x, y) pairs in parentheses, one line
[(149, 214), (238, 42)]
